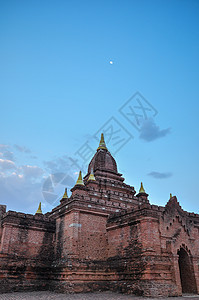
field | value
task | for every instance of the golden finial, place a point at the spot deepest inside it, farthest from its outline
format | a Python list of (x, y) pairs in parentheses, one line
[(65, 196), (39, 211), (79, 180), (102, 144), (171, 196), (142, 190), (91, 176)]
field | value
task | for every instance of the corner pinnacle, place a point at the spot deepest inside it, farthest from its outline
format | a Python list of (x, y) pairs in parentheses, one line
[(91, 176), (79, 180), (102, 144), (39, 211), (171, 196), (65, 196), (142, 190)]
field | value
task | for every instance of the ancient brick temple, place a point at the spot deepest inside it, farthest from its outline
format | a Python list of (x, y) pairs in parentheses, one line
[(104, 237)]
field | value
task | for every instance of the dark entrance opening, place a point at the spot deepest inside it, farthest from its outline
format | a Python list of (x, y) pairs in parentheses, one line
[(187, 277)]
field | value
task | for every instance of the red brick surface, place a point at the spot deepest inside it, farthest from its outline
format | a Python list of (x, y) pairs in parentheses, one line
[(103, 237)]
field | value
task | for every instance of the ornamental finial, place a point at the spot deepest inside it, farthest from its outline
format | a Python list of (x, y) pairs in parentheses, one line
[(102, 144), (79, 180), (142, 190), (91, 176), (65, 196), (39, 211)]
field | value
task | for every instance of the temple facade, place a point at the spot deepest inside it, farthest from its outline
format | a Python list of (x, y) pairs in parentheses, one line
[(105, 236)]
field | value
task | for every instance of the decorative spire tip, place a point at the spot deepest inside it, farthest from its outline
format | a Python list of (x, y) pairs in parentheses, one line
[(142, 190), (91, 176), (39, 211), (102, 144), (79, 180), (65, 196)]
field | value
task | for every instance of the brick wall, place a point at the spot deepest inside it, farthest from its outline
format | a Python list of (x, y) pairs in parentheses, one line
[(26, 251)]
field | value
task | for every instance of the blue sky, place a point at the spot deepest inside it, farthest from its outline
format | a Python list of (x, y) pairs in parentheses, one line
[(59, 90)]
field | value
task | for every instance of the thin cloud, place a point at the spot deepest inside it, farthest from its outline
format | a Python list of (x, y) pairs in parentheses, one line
[(22, 149), (3, 146), (160, 175), (59, 164), (88, 137), (6, 153), (150, 131), (9, 155), (33, 157)]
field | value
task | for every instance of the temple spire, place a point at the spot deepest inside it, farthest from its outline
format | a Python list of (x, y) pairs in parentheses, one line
[(65, 196), (142, 195), (102, 144), (91, 176), (79, 180), (142, 190), (39, 211)]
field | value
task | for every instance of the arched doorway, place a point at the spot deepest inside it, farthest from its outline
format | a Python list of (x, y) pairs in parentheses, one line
[(187, 276)]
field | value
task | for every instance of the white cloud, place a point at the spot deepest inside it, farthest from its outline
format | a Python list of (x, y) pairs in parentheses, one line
[(20, 183), (6, 164), (20, 193), (32, 171)]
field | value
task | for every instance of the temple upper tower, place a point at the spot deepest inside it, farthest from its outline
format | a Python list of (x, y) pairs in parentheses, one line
[(103, 164)]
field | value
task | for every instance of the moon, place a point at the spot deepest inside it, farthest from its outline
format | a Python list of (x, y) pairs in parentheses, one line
[(111, 62)]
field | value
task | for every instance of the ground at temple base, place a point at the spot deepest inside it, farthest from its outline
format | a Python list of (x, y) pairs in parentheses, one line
[(45, 295)]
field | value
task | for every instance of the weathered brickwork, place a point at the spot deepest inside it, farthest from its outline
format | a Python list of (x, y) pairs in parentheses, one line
[(26, 251), (104, 237)]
